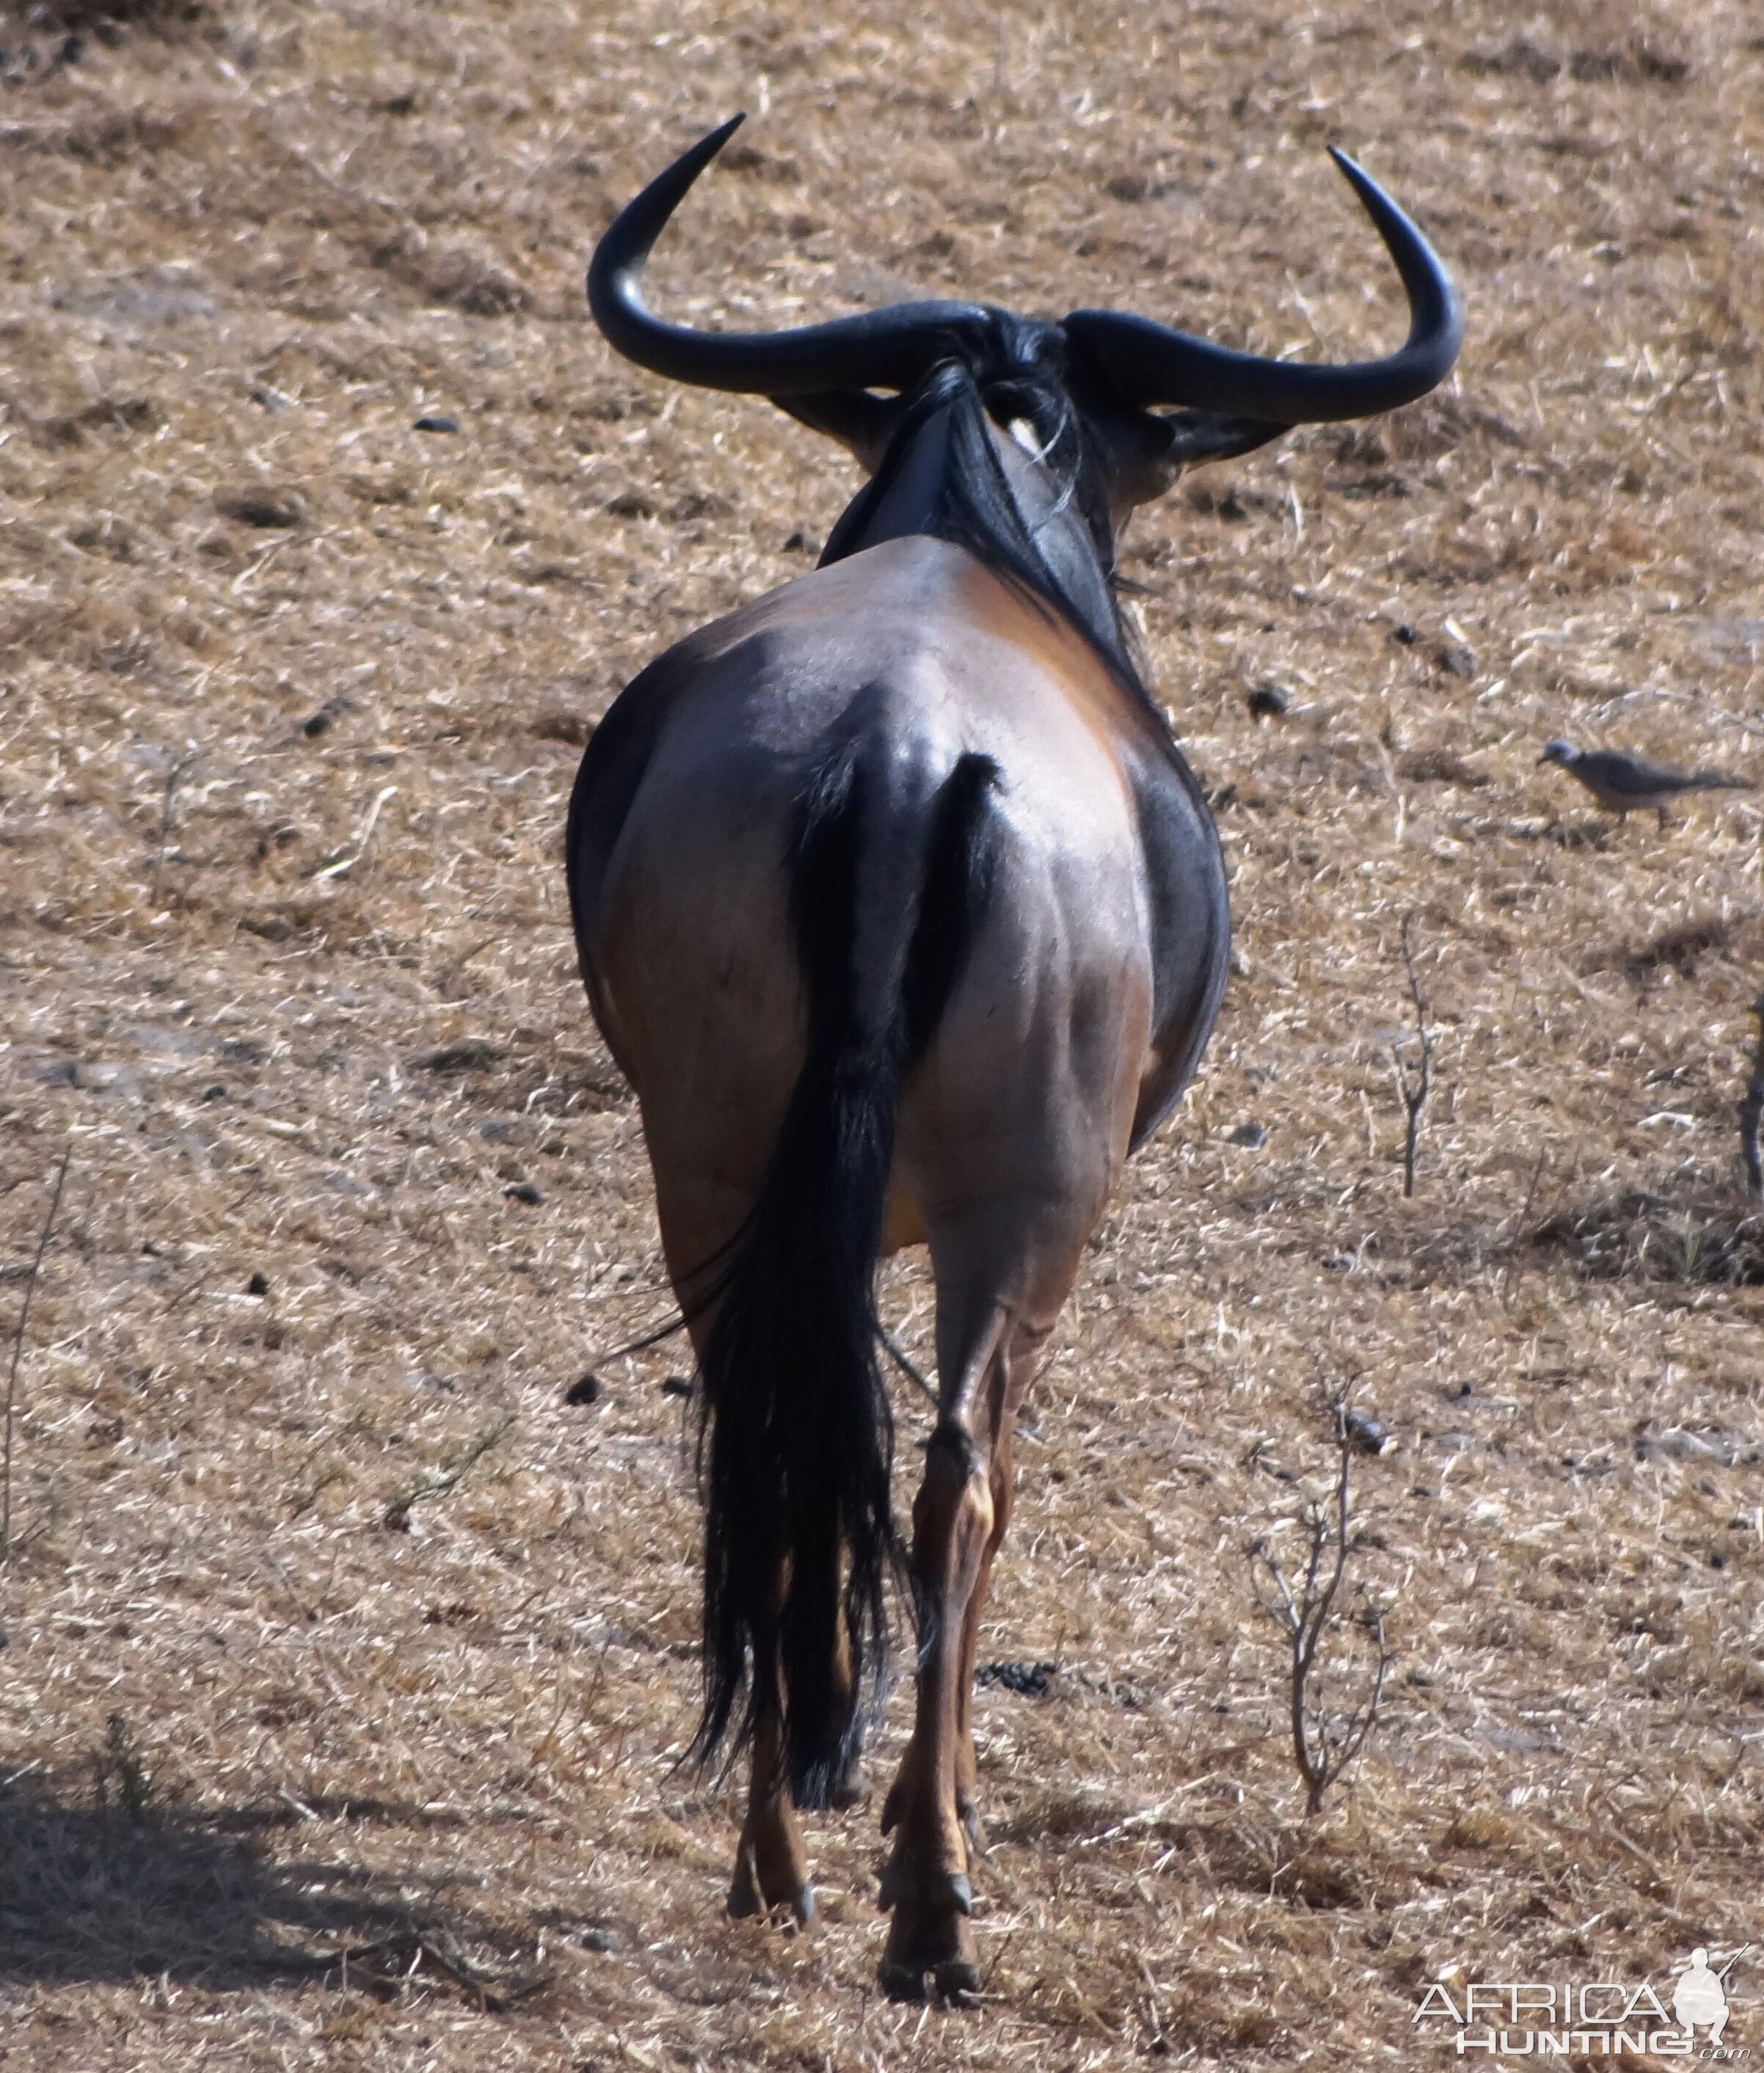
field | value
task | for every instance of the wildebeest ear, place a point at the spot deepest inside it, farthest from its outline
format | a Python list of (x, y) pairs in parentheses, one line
[(863, 423), (1197, 436), (1143, 452)]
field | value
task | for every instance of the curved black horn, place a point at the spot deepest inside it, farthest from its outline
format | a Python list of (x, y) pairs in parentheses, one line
[(883, 349), (1148, 363)]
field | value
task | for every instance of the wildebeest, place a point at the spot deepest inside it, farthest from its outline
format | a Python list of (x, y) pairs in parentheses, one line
[(900, 909)]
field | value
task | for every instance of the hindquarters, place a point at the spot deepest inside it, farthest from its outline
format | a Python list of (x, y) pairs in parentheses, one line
[(1030, 1088), (1013, 1134), (887, 884), (778, 938)]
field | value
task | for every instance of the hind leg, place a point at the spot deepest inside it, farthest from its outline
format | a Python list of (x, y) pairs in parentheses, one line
[(987, 1344), (771, 1865), (967, 1773), (926, 1884)]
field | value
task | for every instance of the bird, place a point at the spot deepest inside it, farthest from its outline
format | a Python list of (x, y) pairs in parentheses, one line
[(1622, 783)]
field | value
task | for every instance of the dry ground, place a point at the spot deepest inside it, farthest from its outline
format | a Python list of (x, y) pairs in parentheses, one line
[(292, 695)]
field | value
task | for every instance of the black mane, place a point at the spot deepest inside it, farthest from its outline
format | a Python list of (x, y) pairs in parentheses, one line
[(975, 507)]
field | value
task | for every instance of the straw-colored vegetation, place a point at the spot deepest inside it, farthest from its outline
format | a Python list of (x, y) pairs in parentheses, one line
[(328, 1628)]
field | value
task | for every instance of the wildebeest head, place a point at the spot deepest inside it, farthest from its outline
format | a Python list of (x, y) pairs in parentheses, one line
[(854, 378)]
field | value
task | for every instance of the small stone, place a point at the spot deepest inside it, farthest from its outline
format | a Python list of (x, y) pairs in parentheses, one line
[(1404, 635), (676, 1384), (217, 1092), (269, 510), (472, 1054), (529, 1192), (435, 421), (595, 1940), (561, 723), (257, 1285), (585, 1389), (1251, 1136), (1268, 702), (1456, 660), (318, 724)]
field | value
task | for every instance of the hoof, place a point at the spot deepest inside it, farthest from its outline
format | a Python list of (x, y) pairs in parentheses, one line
[(747, 1897), (957, 1982), (743, 1902), (922, 1944), (900, 1982)]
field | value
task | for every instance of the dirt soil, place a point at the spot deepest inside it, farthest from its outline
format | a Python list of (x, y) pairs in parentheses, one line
[(345, 1666)]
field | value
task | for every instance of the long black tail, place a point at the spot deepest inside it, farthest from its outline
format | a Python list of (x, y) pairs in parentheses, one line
[(797, 1444)]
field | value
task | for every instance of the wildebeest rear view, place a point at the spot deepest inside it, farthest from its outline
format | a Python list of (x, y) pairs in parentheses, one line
[(900, 909), (352, 1613)]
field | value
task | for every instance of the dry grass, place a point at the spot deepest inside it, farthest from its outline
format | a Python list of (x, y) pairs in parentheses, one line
[(242, 600)]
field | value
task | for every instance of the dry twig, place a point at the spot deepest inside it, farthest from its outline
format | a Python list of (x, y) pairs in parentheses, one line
[(175, 775), (1413, 1088), (1752, 1108), (388, 1963), (18, 1350), (341, 867), (1323, 1748), (398, 1512)]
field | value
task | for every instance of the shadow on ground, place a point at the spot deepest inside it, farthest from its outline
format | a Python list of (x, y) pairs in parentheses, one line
[(94, 1888)]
